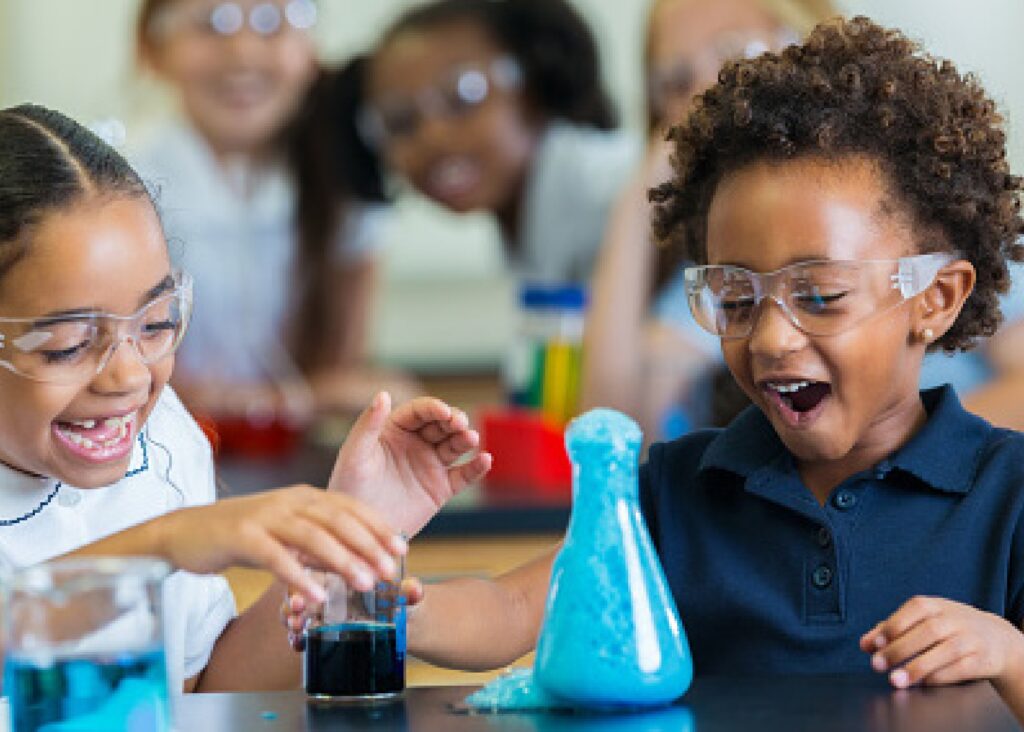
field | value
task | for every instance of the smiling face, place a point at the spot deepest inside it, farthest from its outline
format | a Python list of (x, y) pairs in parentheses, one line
[(472, 160), (105, 255), (238, 90), (850, 397)]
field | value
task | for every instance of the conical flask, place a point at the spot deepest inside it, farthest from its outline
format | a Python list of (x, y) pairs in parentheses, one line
[(612, 635)]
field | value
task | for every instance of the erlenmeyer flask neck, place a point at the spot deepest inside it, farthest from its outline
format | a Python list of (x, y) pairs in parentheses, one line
[(603, 450)]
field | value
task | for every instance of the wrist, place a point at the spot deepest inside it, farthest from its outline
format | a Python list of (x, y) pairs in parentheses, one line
[(1012, 677)]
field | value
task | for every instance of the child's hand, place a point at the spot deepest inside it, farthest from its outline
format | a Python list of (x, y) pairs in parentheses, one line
[(402, 462), (285, 531), (931, 640), (296, 611)]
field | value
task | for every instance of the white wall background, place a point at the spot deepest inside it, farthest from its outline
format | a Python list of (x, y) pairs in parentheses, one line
[(444, 299)]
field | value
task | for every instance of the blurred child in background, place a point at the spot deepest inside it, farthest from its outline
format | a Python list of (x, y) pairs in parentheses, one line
[(283, 254), (499, 107)]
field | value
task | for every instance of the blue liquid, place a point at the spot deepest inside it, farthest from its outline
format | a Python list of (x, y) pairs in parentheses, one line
[(126, 692), (354, 660), (612, 635)]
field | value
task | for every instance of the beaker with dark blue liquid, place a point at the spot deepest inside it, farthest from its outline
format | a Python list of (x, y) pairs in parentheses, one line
[(355, 647), (612, 636)]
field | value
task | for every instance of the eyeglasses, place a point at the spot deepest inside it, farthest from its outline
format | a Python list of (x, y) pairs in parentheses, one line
[(74, 348), (456, 94), (227, 19), (821, 298)]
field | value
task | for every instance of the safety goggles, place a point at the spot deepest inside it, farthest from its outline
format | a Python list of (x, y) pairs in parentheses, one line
[(454, 96), (73, 348), (821, 298), (226, 19)]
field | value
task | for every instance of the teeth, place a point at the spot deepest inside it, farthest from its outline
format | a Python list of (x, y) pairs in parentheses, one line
[(121, 424), (790, 387)]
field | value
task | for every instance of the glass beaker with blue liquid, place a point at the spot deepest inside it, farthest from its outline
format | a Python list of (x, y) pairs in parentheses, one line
[(355, 645), (84, 646)]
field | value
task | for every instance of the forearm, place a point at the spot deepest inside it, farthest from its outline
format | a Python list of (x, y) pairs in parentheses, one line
[(349, 312), (479, 624), (146, 539), (253, 654), (621, 291)]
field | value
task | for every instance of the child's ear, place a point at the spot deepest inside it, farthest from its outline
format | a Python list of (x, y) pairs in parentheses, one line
[(938, 307)]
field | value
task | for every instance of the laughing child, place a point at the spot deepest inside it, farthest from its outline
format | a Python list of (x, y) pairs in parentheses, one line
[(849, 206)]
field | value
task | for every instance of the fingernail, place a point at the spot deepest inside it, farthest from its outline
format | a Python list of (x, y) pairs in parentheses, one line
[(387, 566), (399, 544), (318, 593), (880, 642), (900, 678), (362, 579), (878, 662)]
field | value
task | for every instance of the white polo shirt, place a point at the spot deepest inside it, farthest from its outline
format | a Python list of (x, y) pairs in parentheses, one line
[(171, 467), (233, 228), (576, 176)]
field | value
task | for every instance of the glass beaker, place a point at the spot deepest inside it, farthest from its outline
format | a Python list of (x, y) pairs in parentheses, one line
[(355, 646), (84, 645), (612, 636)]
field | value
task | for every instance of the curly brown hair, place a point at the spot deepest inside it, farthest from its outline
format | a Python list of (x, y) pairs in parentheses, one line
[(854, 88)]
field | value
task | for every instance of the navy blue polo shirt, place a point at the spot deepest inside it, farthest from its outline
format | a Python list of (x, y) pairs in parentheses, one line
[(767, 580)]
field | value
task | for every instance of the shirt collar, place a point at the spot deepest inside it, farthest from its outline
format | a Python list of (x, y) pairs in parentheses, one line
[(21, 492), (944, 454), (947, 450)]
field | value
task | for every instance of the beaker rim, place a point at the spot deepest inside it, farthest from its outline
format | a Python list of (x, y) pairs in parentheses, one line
[(79, 573)]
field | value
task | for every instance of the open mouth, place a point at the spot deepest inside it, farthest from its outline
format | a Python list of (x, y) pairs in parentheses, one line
[(98, 440), (799, 402), (453, 179)]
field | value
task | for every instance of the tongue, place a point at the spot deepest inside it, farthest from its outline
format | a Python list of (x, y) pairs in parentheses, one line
[(100, 433), (808, 398)]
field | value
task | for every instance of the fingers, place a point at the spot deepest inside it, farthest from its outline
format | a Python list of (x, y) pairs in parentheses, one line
[(371, 421), (412, 590), (915, 641), (912, 612), (471, 472), (946, 662), (327, 531), (457, 445), (423, 412), (370, 550), (283, 564), (323, 550)]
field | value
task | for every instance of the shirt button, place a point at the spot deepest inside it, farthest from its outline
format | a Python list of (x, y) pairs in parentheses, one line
[(822, 577), (824, 538), (69, 497), (844, 500)]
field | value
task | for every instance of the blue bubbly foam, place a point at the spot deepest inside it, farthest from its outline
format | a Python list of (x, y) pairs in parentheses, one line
[(612, 637)]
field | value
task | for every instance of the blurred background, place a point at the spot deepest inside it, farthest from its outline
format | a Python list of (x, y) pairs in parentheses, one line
[(445, 302)]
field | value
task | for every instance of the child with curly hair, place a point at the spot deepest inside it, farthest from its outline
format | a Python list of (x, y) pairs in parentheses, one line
[(849, 207)]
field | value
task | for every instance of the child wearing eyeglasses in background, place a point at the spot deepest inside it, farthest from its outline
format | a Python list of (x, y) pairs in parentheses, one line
[(283, 249), (98, 456), (498, 106), (849, 207)]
